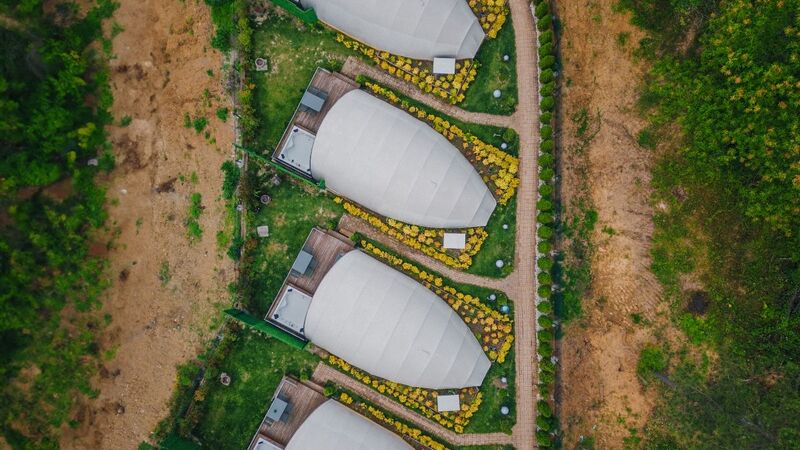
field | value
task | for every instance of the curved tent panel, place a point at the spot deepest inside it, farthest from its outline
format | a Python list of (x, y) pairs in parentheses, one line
[(396, 165), (419, 29), (334, 426), (384, 322)]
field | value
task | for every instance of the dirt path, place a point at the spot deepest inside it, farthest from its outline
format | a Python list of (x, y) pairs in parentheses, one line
[(602, 397), (324, 373), (165, 291)]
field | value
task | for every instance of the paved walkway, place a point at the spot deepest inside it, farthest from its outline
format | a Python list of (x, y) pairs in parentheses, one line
[(520, 285), (354, 67)]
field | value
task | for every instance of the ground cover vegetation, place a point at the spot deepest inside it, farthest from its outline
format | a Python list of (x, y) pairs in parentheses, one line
[(54, 101), (730, 215), (547, 426)]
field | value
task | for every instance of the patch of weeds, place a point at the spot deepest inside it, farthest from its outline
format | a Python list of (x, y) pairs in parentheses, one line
[(193, 178), (125, 121), (647, 138), (164, 273), (210, 72), (116, 29), (199, 124), (623, 38), (652, 359), (187, 120), (608, 230), (111, 353), (193, 229), (222, 114), (139, 223)]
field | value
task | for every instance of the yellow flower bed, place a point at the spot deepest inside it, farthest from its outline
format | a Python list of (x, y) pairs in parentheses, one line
[(494, 329), (496, 166), (492, 15), (426, 240), (400, 427), (418, 399)]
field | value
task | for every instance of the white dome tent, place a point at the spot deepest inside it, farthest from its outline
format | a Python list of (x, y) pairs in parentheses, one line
[(382, 321), (334, 426), (419, 29), (396, 165)]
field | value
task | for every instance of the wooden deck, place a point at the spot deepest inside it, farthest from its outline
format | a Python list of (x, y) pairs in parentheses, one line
[(335, 85), (303, 398)]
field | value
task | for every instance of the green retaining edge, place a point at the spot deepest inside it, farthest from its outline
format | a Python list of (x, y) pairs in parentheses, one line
[(308, 16), (266, 328)]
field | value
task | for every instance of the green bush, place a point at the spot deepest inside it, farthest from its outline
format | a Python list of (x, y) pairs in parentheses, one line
[(544, 205), (545, 322), (542, 10), (544, 423), (546, 160), (544, 247), (546, 132), (547, 145), (544, 278), (545, 50), (544, 408), (544, 390), (546, 76), (231, 179), (547, 62), (544, 336), (545, 37), (544, 292), (547, 174), (545, 307), (545, 217), (546, 117), (545, 443), (548, 103), (546, 189), (545, 263), (545, 22), (547, 90), (545, 232), (545, 351)]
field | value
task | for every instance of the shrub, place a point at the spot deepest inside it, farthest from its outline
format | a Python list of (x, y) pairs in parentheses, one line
[(546, 160), (547, 62), (547, 145), (545, 232), (231, 180), (545, 50), (548, 103), (546, 132), (546, 117), (544, 336), (544, 205), (547, 91), (509, 135), (545, 307), (199, 124), (546, 76), (544, 278), (545, 263), (544, 247), (544, 423), (545, 321), (222, 114), (544, 292), (361, 79), (546, 365), (542, 9), (545, 37), (545, 351), (545, 218), (545, 22), (545, 443), (328, 390), (547, 174), (543, 408), (545, 190), (544, 390)]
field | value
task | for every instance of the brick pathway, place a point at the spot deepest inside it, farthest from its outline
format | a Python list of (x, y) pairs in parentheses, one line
[(520, 285), (324, 373), (354, 67)]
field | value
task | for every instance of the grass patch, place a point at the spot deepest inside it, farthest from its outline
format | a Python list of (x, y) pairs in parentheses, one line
[(293, 57), (494, 73), (488, 418), (256, 364), (193, 229), (291, 214), (500, 244)]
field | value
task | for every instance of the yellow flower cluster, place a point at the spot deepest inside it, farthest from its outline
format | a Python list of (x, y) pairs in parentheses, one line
[(492, 15), (495, 165), (418, 399), (401, 428), (493, 328), (449, 87), (426, 240)]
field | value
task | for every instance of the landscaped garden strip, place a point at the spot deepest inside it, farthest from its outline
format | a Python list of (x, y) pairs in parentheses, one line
[(546, 421), (492, 15)]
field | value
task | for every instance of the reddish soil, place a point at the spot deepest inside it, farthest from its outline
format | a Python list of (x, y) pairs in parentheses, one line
[(157, 320)]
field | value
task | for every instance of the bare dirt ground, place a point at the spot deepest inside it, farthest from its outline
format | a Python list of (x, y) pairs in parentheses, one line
[(166, 292), (601, 396)]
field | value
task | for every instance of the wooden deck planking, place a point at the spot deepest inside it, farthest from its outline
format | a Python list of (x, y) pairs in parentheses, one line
[(326, 247), (303, 400)]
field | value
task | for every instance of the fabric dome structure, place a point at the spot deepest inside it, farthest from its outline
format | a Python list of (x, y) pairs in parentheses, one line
[(419, 29), (396, 165), (334, 426), (382, 321)]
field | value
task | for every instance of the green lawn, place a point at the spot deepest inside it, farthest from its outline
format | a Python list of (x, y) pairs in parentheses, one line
[(256, 364), (500, 244), (294, 210), (293, 57), (488, 418), (494, 73)]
